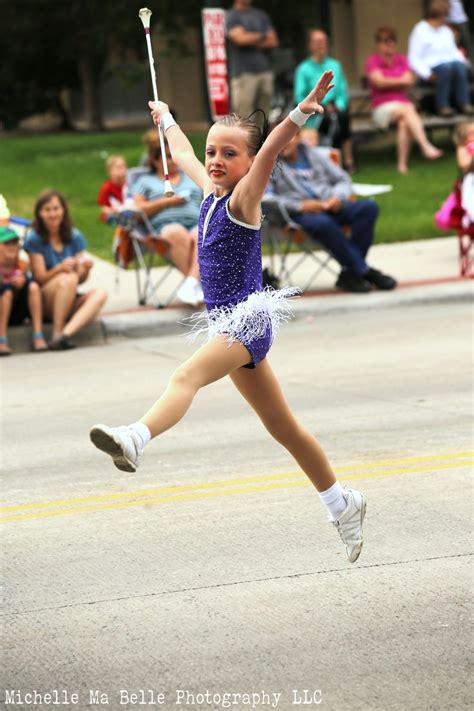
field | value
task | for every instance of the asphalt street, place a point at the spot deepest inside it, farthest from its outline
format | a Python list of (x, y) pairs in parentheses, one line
[(211, 579)]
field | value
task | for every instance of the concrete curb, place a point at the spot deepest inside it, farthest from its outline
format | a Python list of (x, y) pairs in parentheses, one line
[(149, 322), (168, 321)]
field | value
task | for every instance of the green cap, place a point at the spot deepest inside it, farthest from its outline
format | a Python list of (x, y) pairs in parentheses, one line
[(7, 234)]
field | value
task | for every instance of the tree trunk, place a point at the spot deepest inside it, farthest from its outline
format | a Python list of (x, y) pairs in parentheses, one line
[(90, 93)]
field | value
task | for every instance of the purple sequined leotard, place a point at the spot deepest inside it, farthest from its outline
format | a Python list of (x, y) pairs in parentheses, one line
[(230, 265)]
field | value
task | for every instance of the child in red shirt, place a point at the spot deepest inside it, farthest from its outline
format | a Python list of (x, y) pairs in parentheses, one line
[(112, 192)]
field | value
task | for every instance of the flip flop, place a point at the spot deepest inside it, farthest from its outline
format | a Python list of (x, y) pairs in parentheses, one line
[(35, 337)]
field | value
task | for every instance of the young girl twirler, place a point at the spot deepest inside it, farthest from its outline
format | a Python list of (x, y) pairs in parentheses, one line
[(241, 317)]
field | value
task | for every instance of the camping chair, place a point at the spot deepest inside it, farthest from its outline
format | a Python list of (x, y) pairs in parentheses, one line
[(282, 233), (135, 241)]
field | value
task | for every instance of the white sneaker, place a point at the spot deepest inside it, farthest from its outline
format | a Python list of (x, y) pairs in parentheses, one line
[(187, 291), (122, 443), (349, 523)]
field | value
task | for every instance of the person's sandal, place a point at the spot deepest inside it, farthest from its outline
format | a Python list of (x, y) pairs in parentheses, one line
[(61, 343), (5, 349), (38, 347)]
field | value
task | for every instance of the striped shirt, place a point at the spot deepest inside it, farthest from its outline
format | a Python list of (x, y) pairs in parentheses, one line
[(152, 187)]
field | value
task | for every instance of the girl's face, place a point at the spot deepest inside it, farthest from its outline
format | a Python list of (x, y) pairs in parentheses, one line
[(227, 157), (52, 214)]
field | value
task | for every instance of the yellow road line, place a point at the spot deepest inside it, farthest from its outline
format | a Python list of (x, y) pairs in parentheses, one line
[(236, 491), (141, 493)]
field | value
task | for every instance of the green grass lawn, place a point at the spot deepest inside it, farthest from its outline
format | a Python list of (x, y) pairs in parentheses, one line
[(74, 164)]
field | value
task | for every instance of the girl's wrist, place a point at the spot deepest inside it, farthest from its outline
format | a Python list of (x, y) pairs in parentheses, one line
[(167, 121), (299, 117)]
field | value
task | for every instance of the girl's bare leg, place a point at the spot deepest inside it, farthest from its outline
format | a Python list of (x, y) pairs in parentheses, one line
[(6, 303), (211, 362), (263, 392), (36, 312), (89, 306)]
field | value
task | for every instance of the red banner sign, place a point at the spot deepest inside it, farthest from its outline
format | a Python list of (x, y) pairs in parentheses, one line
[(213, 27)]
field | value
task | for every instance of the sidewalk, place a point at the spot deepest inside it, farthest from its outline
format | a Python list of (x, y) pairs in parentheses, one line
[(427, 272)]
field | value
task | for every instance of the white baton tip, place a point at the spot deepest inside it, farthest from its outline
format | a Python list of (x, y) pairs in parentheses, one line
[(144, 14), (169, 192)]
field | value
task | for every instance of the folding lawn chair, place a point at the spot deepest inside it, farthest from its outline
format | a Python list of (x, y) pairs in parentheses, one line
[(135, 241), (282, 233)]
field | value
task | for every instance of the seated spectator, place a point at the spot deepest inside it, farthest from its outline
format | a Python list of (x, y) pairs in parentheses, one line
[(112, 193), (59, 265), (389, 77), (334, 124), (316, 192), (435, 58), (20, 296), (173, 218), (151, 140)]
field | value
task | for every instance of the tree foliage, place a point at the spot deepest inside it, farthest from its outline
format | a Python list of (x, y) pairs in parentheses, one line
[(49, 45)]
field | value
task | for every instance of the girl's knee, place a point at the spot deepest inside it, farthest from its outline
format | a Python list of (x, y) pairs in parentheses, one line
[(68, 280), (284, 431), (34, 288), (184, 377), (6, 296)]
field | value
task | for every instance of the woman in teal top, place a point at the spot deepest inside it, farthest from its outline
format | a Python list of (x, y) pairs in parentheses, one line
[(334, 124)]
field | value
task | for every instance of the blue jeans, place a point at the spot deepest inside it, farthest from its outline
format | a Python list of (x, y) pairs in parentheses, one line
[(326, 228), (452, 80)]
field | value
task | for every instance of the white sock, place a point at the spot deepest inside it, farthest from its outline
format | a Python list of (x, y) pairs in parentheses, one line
[(334, 500), (143, 432)]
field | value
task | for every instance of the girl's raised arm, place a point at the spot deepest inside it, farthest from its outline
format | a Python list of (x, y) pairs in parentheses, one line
[(180, 146), (249, 190)]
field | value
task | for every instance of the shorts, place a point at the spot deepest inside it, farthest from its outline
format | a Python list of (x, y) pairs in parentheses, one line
[(20, 309), (259, 347), (382, 115)]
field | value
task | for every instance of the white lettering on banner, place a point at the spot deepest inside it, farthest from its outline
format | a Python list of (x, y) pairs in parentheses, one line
[(213, 26)]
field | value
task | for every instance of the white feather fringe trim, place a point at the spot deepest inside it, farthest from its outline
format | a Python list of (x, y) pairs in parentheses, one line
[(248, 320)]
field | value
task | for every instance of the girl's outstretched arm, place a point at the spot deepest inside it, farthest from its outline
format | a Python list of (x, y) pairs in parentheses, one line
[(249, 190), (181, 148)]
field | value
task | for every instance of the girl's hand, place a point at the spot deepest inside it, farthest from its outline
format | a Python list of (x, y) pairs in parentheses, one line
[(312, 103), (18, 281), (158, 109), (68, 264)]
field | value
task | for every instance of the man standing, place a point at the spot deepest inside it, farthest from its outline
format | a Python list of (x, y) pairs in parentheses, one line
[(316, 193), (251, 34)]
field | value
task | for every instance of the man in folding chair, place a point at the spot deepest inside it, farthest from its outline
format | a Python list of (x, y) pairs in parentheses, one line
[(175, 219), (316, 193)]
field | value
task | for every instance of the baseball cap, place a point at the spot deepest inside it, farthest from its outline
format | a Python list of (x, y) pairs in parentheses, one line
[(8, 235)]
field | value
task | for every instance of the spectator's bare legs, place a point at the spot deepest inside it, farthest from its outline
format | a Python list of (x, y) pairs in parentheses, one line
[(182, 249), (6, 303), (87, 308), (36, 312), (403, 145), (262, 391), (59, 296), (413, 122)]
